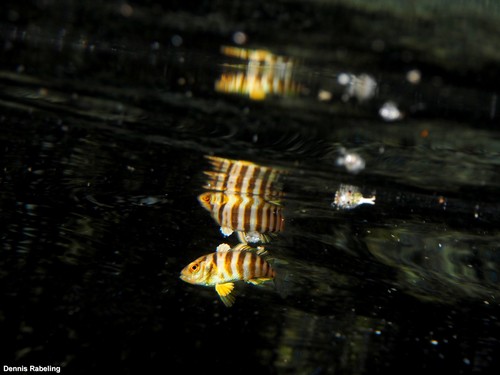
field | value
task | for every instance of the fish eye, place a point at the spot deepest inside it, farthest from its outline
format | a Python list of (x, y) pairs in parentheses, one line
[(194, 267), (206, 198)]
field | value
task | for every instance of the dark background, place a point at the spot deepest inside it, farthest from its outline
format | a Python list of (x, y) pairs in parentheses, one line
[(107, 111)]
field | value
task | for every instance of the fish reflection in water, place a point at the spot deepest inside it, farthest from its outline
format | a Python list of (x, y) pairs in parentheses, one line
[(251, 216), (265, 74), (244, 197), (227, 265), (349, 196)]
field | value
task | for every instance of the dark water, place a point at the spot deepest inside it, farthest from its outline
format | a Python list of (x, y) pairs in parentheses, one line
[(107, 113)]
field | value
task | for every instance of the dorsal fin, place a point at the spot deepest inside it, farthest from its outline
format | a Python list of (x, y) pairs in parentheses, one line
[(223, 247), (262, 252), (259, 250), (226, 231), (242, 247)]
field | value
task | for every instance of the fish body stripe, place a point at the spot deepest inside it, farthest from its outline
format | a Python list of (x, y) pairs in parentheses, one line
[(222, 273), (242, 213), (266, 181), (210, 267), (248, 266), (247, 179), (253, 217), (258, 182), (233, 177), (239, 264), (257, 267), (226, 215), (228, 256), (236, 270)]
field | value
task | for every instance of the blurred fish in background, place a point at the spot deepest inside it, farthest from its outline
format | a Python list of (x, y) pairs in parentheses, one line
[(263, 75)]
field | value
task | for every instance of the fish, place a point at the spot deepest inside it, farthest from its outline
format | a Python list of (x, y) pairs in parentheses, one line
[(265, 74), (227, 266), (243, 177), (245, 198), (348, 197), (251, 216)]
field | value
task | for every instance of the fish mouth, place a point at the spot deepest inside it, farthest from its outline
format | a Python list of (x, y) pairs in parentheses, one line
[(185, 278)]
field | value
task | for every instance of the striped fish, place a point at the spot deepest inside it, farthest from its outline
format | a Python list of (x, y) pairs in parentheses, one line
[(243, 213), (244, 198), (243, 177), (227, 265), (265, 74)]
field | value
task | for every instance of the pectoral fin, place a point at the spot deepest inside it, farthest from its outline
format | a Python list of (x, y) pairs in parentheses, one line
[(224, 292)]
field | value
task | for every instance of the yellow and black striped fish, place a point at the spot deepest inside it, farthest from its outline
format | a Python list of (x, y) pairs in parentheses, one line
[(227, 265), (249, 214), (243, 177), (265, 74), (244, 198)]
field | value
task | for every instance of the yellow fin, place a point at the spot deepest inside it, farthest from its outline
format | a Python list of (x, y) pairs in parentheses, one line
[(259, 280), (224, 292)]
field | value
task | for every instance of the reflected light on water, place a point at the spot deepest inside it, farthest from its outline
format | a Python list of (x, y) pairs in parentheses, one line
[(362, 87)]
